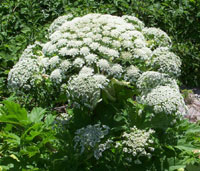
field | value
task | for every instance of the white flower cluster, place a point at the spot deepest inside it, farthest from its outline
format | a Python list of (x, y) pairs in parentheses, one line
[(156, 37), (65, 65), (84, 88), (23, 74), (54, 62), (137, 143), (95, 33), (101, 148), (151, 79), (28, 52), (58, 22), (62, 120), (132, 74), (144, 54), (116, 71), (98, 47), (165, 61), (164, 99), (103, 65), (135, 21), (56, 76), (90, 137)]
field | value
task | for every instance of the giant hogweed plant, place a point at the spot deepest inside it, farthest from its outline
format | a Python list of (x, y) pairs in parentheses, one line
[(87, 54), (118, 79)]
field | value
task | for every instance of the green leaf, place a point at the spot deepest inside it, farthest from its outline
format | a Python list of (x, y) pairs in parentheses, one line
[(36, 115), (14, 109), (12, 113), (14, 157), (186, 147), (118, 117), (11, 138), (49, 119), (32, 132), (26, 30), (173, 168), (30, 151)]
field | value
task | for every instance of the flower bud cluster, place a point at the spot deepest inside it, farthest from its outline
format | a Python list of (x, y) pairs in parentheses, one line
[(151, 79), (84, 88), (156, 37), (164, 99), (58, 22), (101, 148), (137, 143), (165, 61), (90, 138), (23, 74)]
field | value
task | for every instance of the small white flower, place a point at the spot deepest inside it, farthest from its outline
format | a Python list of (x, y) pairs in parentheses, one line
[(127, 44), (101, 80), (116, 44), (21, 76), (87, 41), (103, 64), (49, 48), (94, 45), (125, 150), (113, 53), (151, 79), (139, 43), (58, 22), (136, 142), (63, 51), (44, 62), (166, 62), (54, 61), (164, 99), (132, 74), (65, 65), (159, 37), (56, 76), (78, 62), (86, 71), (72, 52), (116, 70), (126, 55), (91, 58), (84, 51), (61, 42), (57, 35)]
